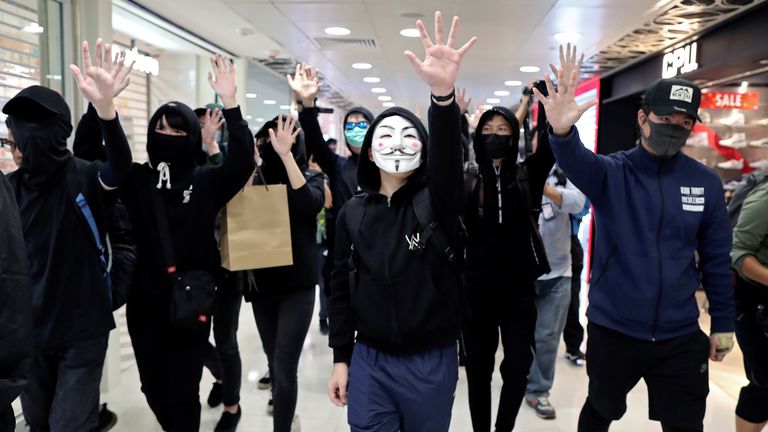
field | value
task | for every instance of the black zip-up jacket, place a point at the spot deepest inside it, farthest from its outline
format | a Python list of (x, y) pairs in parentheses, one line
[(499, 244), (15, 301), (404, 298)]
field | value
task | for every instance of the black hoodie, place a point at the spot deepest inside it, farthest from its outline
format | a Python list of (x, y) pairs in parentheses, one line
[(499, 253), (404, 298)]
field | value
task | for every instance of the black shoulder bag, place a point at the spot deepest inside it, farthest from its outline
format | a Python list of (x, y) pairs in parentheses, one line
[(193, 292)]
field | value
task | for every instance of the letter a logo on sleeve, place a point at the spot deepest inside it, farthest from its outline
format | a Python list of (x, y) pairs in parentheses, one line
[(681, 93)]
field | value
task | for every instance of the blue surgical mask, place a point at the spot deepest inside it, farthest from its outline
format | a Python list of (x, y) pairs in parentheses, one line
[(355, 137)]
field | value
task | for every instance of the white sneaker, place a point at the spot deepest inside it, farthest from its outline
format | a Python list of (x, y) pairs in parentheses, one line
[(759, 142), (735, 119), (732, 164), (737, 140), (296, 424), (705, 117), (759, 164), (700, 139), (763, 122)]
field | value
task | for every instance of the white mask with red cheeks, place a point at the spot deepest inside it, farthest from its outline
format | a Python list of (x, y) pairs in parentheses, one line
[(396, 146)]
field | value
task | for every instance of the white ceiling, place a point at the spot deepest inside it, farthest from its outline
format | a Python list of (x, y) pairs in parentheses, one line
[(512, 33)]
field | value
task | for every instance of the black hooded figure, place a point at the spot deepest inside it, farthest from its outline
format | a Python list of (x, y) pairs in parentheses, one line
[(72, 307), (504, 259), (283, 298), (170, 359)]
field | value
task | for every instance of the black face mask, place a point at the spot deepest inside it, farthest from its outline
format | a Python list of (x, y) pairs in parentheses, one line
[(496, 146), (170, 149), (667, 139)]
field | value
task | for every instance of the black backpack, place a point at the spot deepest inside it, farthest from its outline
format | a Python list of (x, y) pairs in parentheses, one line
[(743, 189)]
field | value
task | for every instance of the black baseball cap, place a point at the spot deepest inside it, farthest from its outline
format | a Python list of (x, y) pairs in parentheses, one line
[(669, 96), (27, 103)]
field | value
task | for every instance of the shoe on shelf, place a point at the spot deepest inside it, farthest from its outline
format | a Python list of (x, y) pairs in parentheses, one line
[(735, 119), (761, 164), (705, 117), (324, 330), (763, 122), (543, 408), (763, 142), (107, 419), (265, 383), (577, 359), (270, 407), (732, 164), (737, 140), (216, 396), (296, 424), (228, 421), (700, 139)]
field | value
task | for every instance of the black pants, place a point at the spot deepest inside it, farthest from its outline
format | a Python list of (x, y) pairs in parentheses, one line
[(573, 335), (170, 362), (515, 319), (283, 319), (7, 419), (753, 399), (675, 371), (223, 360)]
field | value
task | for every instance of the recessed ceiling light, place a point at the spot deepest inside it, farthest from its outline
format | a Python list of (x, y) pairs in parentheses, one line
[(530, 69), (260, 119), (372, 80), (285, 107), (33, 28), (565, 37), (388, 104), (501, 93), (250, 95), (513, 83), (410, 32), (361, 66), (487, 107), (493, 100), (385, 98), (269, 102), (248, 117), (378, 90), (337, 31)]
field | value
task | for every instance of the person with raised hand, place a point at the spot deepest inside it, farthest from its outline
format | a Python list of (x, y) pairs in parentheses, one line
[(65, 204), (172, 185), (283, 298), (395, 303), (656, 209)]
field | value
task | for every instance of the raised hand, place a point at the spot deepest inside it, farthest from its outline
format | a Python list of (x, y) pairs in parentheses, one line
[(95, 82), (442, 61), (119, 71), (305, 84), (568, 62), (225, 83), (562, 110), (211, 124), (474, 119), (461, 99), (283, 135)]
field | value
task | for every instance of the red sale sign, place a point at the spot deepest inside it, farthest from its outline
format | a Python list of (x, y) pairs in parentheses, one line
[(730, 100)]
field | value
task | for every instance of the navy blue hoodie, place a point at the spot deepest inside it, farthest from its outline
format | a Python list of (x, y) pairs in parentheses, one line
[(652, 217)]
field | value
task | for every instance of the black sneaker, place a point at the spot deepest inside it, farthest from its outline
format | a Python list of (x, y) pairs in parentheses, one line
[(324, 330), (228, 421), (577, 359), (265, 383), (216, 396), (107, 419), (270, 408)]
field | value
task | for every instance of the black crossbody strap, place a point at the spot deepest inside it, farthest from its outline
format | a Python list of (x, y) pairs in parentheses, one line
[(164, 233), (422, 206)]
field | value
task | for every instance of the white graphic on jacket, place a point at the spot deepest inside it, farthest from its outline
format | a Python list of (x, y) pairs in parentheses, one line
[(414, 242), (692, 198), (187, 195)]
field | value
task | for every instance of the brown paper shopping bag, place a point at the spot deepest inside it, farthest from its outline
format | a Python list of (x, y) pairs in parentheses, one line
[(256, 229)]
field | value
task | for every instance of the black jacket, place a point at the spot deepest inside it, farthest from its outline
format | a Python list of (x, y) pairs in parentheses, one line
[(404, 297), (15, 301), (501, 252)]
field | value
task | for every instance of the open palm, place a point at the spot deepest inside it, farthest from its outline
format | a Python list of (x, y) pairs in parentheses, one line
[(561, 107), (283, 136), (442, 60), (305, 83)]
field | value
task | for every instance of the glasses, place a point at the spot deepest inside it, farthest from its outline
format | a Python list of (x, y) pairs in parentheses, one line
[(5, 142), (352, 125)]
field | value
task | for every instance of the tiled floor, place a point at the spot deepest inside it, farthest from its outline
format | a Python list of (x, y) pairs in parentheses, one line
[(318, 415)]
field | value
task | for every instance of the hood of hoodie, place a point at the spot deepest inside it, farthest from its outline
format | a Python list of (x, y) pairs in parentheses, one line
[(41, 123), (356, 110), (368, 174), (480, 156), (183, 151), (272, 167)]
